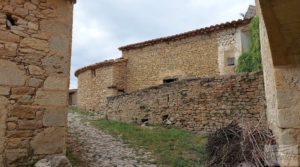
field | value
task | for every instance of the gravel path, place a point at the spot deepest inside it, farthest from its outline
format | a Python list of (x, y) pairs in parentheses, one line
[(103, 150)]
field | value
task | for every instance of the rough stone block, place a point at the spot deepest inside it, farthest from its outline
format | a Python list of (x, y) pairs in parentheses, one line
[(51, 98), (33, 43), (43, 143), (13, 155), (21, 11), (289, 137), (4, 53), (9, 37), (34, 82), (11, 126), (54, 27), (55, 65), (3, 115), (4, 90), (11, 74), (24, 112), (11, 47), (55, 117), (35, 70), (15, 143), (30, 6), (33, 26), (59, 44), (56, 83), (22, 91), (29, 124), (19, 134)]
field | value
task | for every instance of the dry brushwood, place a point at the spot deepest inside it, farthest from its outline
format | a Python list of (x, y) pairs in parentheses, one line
[(233, 145)]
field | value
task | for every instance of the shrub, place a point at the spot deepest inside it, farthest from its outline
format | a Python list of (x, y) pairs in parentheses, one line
[(251, 61)]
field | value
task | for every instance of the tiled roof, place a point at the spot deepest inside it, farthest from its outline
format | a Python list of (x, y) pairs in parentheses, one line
[(99, 65), (206, 30)]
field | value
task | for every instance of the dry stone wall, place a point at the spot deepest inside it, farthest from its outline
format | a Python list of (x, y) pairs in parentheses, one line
[(200, 104), (35, 49), (93, 88)]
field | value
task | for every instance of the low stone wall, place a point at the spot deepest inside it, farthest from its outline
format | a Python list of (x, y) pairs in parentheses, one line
[(200, 104)]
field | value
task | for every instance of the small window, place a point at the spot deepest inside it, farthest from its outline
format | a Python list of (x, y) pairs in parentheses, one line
[(170, 80), (10, 21), (93, 73), (230, 61)]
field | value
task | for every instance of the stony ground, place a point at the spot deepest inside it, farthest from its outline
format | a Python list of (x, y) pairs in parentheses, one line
[(98, 149)]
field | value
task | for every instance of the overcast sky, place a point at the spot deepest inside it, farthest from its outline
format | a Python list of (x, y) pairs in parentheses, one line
[(102, 26)]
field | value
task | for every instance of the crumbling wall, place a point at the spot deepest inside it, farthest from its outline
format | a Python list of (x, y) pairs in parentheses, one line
[(35, 51), (201, 104)]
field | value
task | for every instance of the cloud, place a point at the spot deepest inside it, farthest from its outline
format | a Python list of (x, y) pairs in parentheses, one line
[(102, 26)]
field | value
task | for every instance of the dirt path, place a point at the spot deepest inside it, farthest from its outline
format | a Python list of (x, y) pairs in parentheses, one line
[(99, 149)]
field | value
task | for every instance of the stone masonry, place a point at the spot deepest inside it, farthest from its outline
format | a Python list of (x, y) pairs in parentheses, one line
[(206, 54), (200, 104), (35, 51), (197, 53), (99, 81), (280, 40)]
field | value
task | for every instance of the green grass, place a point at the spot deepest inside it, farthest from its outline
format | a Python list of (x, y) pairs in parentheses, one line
[(76, 110), (171, 147), (72, 157)]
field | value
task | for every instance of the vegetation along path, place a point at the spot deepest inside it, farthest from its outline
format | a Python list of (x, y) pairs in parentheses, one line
[(95, 142), (99, 149)]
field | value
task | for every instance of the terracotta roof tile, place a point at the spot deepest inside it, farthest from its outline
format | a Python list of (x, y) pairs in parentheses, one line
[(188, 34)]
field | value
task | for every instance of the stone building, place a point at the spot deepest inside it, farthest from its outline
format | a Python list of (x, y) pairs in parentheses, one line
[(35, 51), (280, 43), (99, 81), (208, 51)]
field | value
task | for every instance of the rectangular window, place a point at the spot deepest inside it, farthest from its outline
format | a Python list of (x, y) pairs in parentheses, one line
[(230, 61), (170, 80)]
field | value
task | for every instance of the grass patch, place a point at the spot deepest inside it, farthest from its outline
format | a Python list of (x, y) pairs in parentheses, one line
[(73, 109), (72, 157), (171, 147)]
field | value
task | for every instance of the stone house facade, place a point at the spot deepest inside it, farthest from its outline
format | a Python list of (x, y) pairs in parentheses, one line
[(203, 52), (35, 52)]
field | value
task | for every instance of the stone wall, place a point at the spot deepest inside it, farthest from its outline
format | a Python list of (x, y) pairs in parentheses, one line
[(195, 56), (280, 41), (99, 81), (93, 88), (35, 50), (200, 104)]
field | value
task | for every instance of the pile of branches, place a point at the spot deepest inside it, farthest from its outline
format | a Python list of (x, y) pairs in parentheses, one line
[(234, 145)]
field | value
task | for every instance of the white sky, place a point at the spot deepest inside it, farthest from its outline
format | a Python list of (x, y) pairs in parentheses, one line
[(102, 26)]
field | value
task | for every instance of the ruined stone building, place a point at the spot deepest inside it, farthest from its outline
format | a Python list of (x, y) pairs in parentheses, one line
[(35, 52), (208, 51)]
